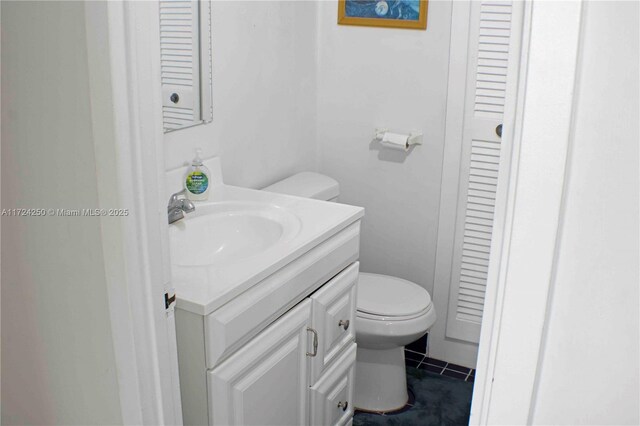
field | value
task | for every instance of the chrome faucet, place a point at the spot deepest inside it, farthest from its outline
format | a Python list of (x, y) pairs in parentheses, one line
[(179, 206)]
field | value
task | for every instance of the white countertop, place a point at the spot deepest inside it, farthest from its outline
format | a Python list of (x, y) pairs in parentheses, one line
[(203, 289)]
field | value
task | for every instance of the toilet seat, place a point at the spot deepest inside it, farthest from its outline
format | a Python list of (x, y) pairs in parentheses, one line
[(375, 317), (383, 297)]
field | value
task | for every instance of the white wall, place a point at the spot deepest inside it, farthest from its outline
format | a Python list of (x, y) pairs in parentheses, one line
[(295, 91), (590, 361), (58, 363), (263, 93), (396, 78)]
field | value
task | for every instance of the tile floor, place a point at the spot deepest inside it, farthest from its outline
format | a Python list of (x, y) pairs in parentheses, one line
[(440, 393), (438, 400), (423, 362), (416, 356)]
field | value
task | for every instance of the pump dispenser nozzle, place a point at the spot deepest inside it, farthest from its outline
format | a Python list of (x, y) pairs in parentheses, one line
[(197, 161)]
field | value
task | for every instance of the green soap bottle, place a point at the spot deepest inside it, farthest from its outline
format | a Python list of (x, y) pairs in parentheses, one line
[(197, 179)]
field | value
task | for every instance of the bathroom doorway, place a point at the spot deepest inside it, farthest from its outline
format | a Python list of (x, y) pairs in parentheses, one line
[(540, 121)]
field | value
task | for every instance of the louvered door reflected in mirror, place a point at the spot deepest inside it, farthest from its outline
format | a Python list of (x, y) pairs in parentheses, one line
[(185, 63)]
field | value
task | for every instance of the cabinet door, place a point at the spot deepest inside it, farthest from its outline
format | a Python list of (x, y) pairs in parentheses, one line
[(265, 382), (332, 397), (334, 310)]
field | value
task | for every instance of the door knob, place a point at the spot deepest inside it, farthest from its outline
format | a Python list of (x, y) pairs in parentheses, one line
[(344, 324), (343, 405), (499, 130)]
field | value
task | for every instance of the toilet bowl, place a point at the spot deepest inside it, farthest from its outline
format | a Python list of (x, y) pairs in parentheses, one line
[(391, 313)]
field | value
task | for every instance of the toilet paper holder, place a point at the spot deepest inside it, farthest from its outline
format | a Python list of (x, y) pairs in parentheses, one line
[(414, 137)]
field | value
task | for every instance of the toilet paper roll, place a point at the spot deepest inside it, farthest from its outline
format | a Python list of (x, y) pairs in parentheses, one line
[(396, 141)]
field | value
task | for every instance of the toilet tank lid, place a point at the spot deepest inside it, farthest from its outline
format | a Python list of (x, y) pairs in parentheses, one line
[(307, 184)]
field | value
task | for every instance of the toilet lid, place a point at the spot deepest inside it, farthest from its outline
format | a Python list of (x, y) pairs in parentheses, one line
[(390, 296)]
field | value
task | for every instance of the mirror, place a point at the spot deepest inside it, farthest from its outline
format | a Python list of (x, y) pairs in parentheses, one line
[(185, 63)]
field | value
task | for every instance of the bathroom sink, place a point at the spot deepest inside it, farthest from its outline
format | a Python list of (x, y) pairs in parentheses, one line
[(231, 231)]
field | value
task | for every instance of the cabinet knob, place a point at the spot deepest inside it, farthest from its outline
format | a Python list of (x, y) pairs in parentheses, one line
[(343, 405), (344, 324)]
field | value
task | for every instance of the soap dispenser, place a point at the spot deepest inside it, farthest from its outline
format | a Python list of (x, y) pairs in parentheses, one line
[(197, 179)]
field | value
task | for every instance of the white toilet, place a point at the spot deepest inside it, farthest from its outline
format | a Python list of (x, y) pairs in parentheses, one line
[(391, 313)]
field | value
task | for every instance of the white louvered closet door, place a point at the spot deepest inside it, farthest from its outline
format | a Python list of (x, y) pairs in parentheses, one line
[(493, 49), (180, 62)]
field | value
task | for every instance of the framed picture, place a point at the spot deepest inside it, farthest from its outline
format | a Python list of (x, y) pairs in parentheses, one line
[(384, 13)]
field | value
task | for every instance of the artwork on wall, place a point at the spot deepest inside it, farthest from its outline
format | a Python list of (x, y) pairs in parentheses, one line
[(384, 13)]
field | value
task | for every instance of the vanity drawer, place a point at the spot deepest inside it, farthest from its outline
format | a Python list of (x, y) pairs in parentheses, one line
[(333, 317), (332, 397)]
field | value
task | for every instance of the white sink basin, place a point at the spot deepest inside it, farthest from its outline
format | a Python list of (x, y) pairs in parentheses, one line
[(227, 232)]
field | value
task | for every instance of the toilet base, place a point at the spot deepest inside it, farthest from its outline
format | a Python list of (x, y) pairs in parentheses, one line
[(381, 380)]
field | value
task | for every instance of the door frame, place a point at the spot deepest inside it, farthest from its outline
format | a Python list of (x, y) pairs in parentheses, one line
[(121, 43), (526, 230), (124, 63)]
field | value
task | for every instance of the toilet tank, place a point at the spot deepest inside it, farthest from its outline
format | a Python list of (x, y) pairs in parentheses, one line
[(308, 185)]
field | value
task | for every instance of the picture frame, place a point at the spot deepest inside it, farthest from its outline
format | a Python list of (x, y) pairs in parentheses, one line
[(408, 14)]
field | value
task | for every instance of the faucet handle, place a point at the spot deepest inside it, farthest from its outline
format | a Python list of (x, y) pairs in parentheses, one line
[(174, 197)]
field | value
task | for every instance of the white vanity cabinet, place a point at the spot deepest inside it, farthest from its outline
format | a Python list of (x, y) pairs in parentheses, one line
[(282, 353)]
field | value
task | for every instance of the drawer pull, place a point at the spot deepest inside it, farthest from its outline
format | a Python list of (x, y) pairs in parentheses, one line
[(344, 324), (343, 405), (315, 342)]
